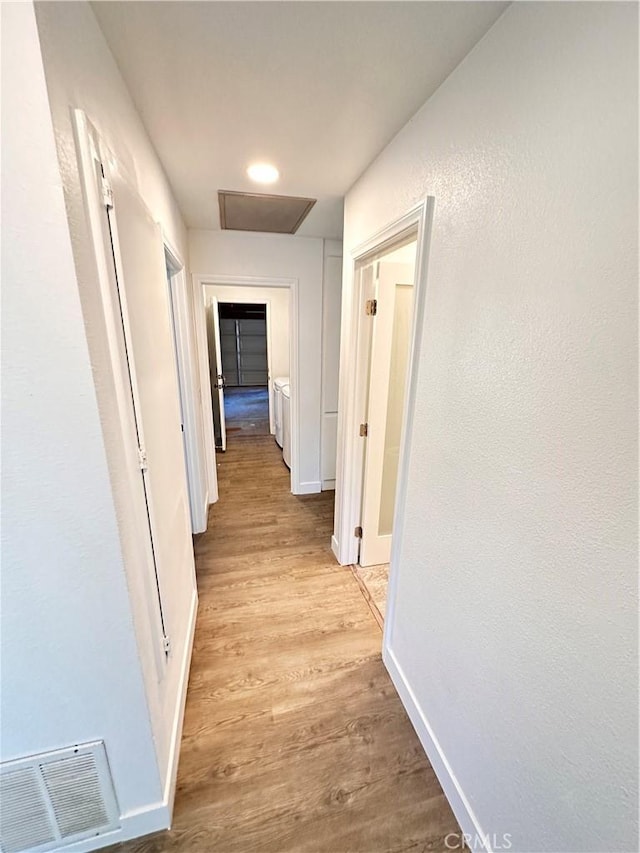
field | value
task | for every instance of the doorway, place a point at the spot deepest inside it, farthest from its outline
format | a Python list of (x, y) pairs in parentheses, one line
[(245, 367), (220, 302), (385, 328), (383, 313), (387, 324)]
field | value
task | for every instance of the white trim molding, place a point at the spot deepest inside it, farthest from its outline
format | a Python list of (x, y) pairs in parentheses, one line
[(176, 732), (189, 381), (206, 401), (475, 837), (310, 487)]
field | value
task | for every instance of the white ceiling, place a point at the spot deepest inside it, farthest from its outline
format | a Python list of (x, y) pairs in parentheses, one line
[(317, 88)]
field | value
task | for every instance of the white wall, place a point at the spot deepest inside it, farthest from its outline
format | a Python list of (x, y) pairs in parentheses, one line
[(331, 305), (514, 618), (231, 253), (81, 73), (70, 665), (279, 330)]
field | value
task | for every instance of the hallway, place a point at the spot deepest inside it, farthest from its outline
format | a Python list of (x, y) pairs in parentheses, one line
[(294, 737)]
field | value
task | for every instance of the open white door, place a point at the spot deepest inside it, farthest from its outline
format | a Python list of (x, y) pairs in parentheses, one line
[(215, 373), (390, 346)]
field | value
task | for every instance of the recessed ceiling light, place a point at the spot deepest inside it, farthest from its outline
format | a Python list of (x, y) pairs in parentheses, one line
[(263, 173)]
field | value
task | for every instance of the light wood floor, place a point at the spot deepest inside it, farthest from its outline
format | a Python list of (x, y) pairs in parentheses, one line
[(374, 582), (294, 738)]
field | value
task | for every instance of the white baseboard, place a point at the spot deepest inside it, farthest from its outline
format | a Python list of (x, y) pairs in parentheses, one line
[(476, 840), (203, 516), (335, 547), (205, 510), (134, 824), (328, 485), (176, 732), (155, 817), (311, 487)]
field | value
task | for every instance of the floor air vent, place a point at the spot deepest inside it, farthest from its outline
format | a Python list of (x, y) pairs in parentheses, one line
[(56, 798)]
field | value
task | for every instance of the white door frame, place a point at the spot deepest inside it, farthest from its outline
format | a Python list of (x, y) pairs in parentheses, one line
[(245, 300), (139, 564), (214, 335), (202, 353), (200, 281), (350, 459), (188, 383)]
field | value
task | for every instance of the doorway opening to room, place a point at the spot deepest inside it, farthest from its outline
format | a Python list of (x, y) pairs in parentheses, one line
[(245, 368), (383, 338), (387, 282), (246, 330)]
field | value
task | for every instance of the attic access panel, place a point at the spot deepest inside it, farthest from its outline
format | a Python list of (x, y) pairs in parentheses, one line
[(277, 214)]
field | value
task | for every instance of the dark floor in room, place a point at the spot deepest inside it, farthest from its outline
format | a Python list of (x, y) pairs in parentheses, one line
[(246, 411)]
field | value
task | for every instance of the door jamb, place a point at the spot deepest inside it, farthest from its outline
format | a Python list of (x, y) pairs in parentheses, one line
[(200, 280), (188, 383), (350, 461)]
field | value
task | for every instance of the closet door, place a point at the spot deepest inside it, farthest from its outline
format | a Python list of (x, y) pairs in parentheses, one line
[(138, 253), (252, 351), (229, 348)]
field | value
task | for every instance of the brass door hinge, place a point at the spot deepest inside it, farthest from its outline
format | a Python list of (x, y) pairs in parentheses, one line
[(371, 307), (364, 430), (358, 532)]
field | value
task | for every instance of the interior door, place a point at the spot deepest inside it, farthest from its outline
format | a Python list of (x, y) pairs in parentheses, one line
[(216, 373), (390, 344), (138, 252)]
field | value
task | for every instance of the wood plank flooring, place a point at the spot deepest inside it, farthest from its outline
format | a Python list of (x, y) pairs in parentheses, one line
[(374, 582), (294, 737)]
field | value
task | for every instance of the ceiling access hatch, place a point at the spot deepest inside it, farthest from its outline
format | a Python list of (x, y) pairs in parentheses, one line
[(278, 214)]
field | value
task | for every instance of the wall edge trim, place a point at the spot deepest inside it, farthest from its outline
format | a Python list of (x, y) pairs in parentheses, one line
[(176, 732), (308, 487), (452, 788)]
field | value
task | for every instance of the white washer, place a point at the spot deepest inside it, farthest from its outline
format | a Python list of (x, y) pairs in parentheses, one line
[(286, 425), (278, 384)]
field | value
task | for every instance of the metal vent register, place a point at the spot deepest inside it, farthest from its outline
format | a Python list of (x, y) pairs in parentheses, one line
[(56, 798)]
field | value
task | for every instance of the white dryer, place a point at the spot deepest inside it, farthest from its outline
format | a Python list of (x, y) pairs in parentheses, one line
[(286, 425), (278, 384)]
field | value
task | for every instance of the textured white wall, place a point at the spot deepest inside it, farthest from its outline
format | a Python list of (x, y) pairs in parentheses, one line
[(515, 620), (81, 73), (70, 666), (233, 253)]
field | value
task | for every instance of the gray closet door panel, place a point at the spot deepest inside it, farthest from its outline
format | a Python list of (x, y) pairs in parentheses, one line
[(228, 327), (254, 344), (252, 327), (253, 361), (253, 377)]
